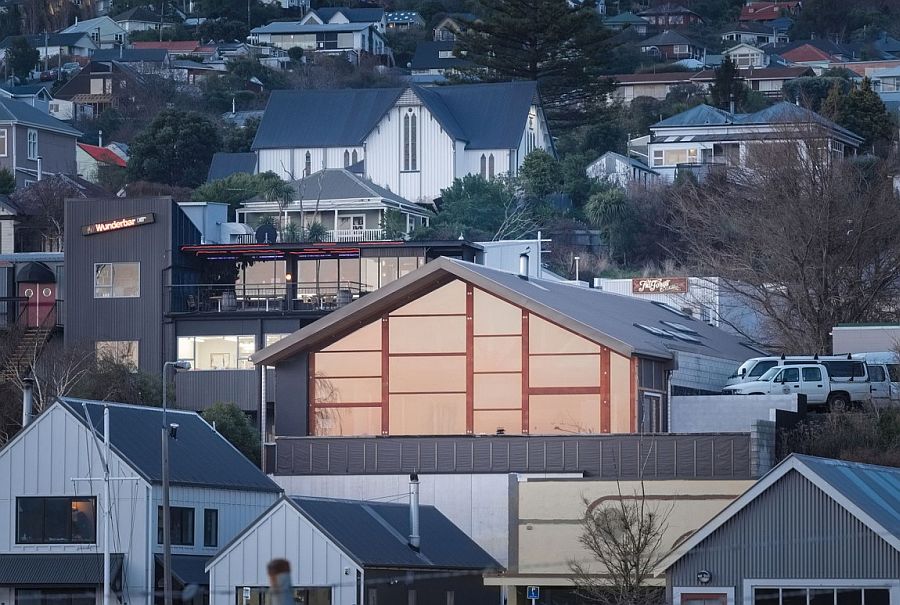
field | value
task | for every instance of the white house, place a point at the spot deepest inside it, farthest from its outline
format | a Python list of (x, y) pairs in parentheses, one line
[(413, 141), (344, 15), (349, 552), (755, 33), (51, 533), (103, 31), (746, 56), (350, 39), (142, 18), (706, 138), (619, 169)]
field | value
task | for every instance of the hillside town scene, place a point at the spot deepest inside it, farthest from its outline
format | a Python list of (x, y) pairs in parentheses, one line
[(449, 302)]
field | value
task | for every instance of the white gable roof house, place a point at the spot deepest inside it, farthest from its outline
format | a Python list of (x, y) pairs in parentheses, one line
[(706, 138), (52, 502), (349, 39), (412, 141), (104, 32)]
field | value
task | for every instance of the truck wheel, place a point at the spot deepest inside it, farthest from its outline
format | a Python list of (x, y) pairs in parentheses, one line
[(839, 401)]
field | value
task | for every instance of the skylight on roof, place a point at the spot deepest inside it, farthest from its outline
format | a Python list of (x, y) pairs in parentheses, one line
[(679, 327), (655, 331), (673, 309), (687, 338)]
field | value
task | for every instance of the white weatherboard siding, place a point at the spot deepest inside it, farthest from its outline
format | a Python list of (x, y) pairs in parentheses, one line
[(42, 461), (384, 155), (502, 161), (283, 533), (290, 164)]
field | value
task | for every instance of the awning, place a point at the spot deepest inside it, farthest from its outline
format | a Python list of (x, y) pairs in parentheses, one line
[(57, 569), (188, 569)]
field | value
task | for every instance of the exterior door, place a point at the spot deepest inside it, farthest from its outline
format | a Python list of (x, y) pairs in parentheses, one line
[(880, 385), (813, 385), (704, 599), (39, 303), (789, 379)]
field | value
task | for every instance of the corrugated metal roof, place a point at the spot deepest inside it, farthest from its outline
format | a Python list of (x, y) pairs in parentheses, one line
[(875, 490), (50, 570), (225, 164), (375, 535), (341, 184), (287, 27), (21, 112), (188, 569), (131, 55), (54, 40), (199, 456)]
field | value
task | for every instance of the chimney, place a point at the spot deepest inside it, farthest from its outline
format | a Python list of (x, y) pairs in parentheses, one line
[(40, 168), (99, 138), (27, 401), (414, 538), (523, 264)]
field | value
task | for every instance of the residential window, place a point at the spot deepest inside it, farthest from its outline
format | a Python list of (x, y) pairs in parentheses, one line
[(3, 142), (410, 151), (217, 352), (822, 595), (273, 338), (210, 527), (673, 157), (181, 525), (346, 158), (56, 520), (32, 144), (307, 165), (680, 49), (491, 166), (117, 280), (125, 351), (483, 166), (352, 222)]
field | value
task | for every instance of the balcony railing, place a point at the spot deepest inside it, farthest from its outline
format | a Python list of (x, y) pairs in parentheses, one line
[(334, 236), (262, 298)]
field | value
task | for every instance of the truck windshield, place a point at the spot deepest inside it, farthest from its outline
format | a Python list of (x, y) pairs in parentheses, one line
[(769, 375)]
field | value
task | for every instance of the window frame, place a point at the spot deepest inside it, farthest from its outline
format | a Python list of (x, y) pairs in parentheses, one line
[(210, 540), (750, 585), (112, 284), (42, 540), (131, 354), (172, 511), (238, 358), (34, 153), (409, 134), (5, 138)]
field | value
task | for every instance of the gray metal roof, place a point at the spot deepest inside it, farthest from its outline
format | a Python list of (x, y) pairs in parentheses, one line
[(427, 56), (141, 13), (131, 55), (625, 324), (188, 569), (354, 15), (341, 184), (875, 490), (225, 164), (33, 257), (60, 569), (199, 456), (12, 110), (667, 38), (486, 116), (375, 534), (627, 18)]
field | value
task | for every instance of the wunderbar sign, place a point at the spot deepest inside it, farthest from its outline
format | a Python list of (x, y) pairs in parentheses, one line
[(119, 223)]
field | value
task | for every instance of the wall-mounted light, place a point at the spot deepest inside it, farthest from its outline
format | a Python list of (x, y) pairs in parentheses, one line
[(704, 576), (287, 277)]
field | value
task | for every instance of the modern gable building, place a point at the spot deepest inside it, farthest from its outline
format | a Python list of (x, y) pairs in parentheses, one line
[(414, 141), (51, 541)]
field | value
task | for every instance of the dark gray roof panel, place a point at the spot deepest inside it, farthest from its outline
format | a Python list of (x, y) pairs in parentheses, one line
[(199, 456), (667, 38), (322, 118), (131, 55), (18, 111), (51, 570), (354, 15), (342, 184), (225, 164), (375, 535), (427, 56), (875, 490)]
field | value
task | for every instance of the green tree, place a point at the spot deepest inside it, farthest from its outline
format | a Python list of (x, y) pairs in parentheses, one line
[(563, 49), (295, 54), (236, 188), (21, 57), (610, 211), (831, 105), (175, 149), (7, 181), (811, 92), (541, 174), (235, 426), (239, 139), (727, 87), (221, 29), (863, 112)]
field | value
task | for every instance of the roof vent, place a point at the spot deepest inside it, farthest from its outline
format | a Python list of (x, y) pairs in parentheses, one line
[(523, 264)]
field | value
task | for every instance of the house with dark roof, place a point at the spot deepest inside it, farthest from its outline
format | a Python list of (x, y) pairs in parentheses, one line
[(377, 552), (99, 86), (36, 95), (669, 15), (52, 540), (75, 44), (33, 144), (435, 61), (811, 530), (672, 46), (707, 138), (143, 18), (628, 20), (452, 26), (103, 31), (455, 348), (765, 12), (415, 141), (350, 207), (755, 33), (343, 15), (350, 39), (404, 20)]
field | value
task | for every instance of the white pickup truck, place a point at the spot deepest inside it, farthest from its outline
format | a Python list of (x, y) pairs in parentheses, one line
[(811, 380)]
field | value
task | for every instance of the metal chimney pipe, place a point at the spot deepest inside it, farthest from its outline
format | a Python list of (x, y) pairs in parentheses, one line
[(414, 538), (27, 401), (40, 168), (523, 265), (99, 138)]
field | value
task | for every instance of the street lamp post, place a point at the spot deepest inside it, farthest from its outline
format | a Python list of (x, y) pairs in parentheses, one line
[(167, 538)]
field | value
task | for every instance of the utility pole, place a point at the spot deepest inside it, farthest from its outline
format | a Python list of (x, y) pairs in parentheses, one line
[(106, 507), (166, 435)]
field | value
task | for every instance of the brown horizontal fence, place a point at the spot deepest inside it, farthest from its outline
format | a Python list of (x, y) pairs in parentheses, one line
[(657, 456)]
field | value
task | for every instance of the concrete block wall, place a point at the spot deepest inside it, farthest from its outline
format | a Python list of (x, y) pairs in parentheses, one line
[(725, 413), (763, 441)]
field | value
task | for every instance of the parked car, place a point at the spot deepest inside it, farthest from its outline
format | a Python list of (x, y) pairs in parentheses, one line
[(810, 379), (842, 367), (70, 69), (49, 75), (884, 375)]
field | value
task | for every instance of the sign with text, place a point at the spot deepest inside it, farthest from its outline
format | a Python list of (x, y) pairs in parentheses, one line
[(659, 285), (119, 223), (533, 593)]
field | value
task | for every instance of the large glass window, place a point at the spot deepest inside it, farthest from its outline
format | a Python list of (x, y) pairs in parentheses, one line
[(124, 351), (56, 520), (181, 525), (56, 596), (217, 352), (273, 338), (410, 150), (388, 269), (821, 595), (117, 280)]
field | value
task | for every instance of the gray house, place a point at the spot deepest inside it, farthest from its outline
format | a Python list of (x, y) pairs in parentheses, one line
[(813, 530), (31, 142), (51, 525)]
